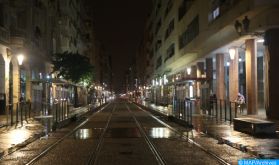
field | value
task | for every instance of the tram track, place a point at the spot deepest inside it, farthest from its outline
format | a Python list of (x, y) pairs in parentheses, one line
[(149, 142), (94, 155), (56, 143), (189, 140)]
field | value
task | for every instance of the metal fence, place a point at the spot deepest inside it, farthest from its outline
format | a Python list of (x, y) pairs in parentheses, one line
[(17, 113), (183, 109), (221, 110)]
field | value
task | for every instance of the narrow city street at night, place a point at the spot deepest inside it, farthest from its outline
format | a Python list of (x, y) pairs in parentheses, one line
[(139, 82)]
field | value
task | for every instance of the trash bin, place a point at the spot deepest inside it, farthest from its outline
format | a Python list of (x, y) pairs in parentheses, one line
[(2, 103)]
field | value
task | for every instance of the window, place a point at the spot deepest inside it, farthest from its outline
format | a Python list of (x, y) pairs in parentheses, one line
[(37, 32), (159, 23), (159, 62), (170, 52), (169, 29), (219, 7), (158, 44), (1, 14), (183, 8), (190, 33), (169, 6), (158, 7)]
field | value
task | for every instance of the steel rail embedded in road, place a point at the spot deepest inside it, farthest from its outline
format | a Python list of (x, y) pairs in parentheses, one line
[(94, 155), (52, 146), (215, 156), (151, 146)]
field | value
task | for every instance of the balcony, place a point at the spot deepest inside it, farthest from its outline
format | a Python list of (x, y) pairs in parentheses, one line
[(4, 35), (17, 36)]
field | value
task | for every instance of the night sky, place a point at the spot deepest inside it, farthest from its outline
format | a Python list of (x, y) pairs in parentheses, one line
[(119, 26)]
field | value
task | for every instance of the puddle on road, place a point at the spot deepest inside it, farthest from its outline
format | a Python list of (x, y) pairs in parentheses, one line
[(85, 133), (161, 132)]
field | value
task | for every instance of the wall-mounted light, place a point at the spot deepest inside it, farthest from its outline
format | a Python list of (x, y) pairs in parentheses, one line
[(188, 71), (232, 52), (165, 80), (20, 59), (260, 40), (228, 63)]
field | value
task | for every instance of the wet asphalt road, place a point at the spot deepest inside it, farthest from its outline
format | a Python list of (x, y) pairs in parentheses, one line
[(112, 136)]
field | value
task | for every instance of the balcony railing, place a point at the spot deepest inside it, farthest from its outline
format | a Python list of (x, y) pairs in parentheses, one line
[(4, 35), (16, 32)]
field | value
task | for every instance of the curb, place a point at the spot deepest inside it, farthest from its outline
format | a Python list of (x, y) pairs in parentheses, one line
[(221, 140)]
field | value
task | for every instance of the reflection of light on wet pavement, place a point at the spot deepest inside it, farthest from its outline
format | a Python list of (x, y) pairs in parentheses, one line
[(18, 136), (163, 109), (233, 139), (160, 132), (83, 134)]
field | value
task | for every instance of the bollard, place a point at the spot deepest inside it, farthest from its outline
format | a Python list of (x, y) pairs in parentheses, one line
[(59, 111), (29, 109), (188, 111), (184, 111), (191, 113), (220, 106), (12, 113), (56, 110), (25, 109), (235, 109), (21, 115), (216, 109), (7, 114), (225, 110), (62, 104), (230, 112), (17, 113)]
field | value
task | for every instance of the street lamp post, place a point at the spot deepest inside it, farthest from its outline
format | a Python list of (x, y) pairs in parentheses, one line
[(20, 59)]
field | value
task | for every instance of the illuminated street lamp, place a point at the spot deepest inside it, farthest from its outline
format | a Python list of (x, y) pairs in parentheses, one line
[(20, 59), (188, 71), (232, 53)]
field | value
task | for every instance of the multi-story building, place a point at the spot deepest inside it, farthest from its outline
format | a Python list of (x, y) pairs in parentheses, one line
[(37, 29), (214, 47)]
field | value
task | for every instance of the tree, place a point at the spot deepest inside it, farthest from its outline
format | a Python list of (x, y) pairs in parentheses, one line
[(73, 67)]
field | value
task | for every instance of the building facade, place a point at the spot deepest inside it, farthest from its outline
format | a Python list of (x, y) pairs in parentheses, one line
[(37, 29), (194, 49)]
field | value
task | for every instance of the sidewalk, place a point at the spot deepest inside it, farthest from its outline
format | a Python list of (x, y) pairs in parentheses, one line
[(262, 147), (17, 136)]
